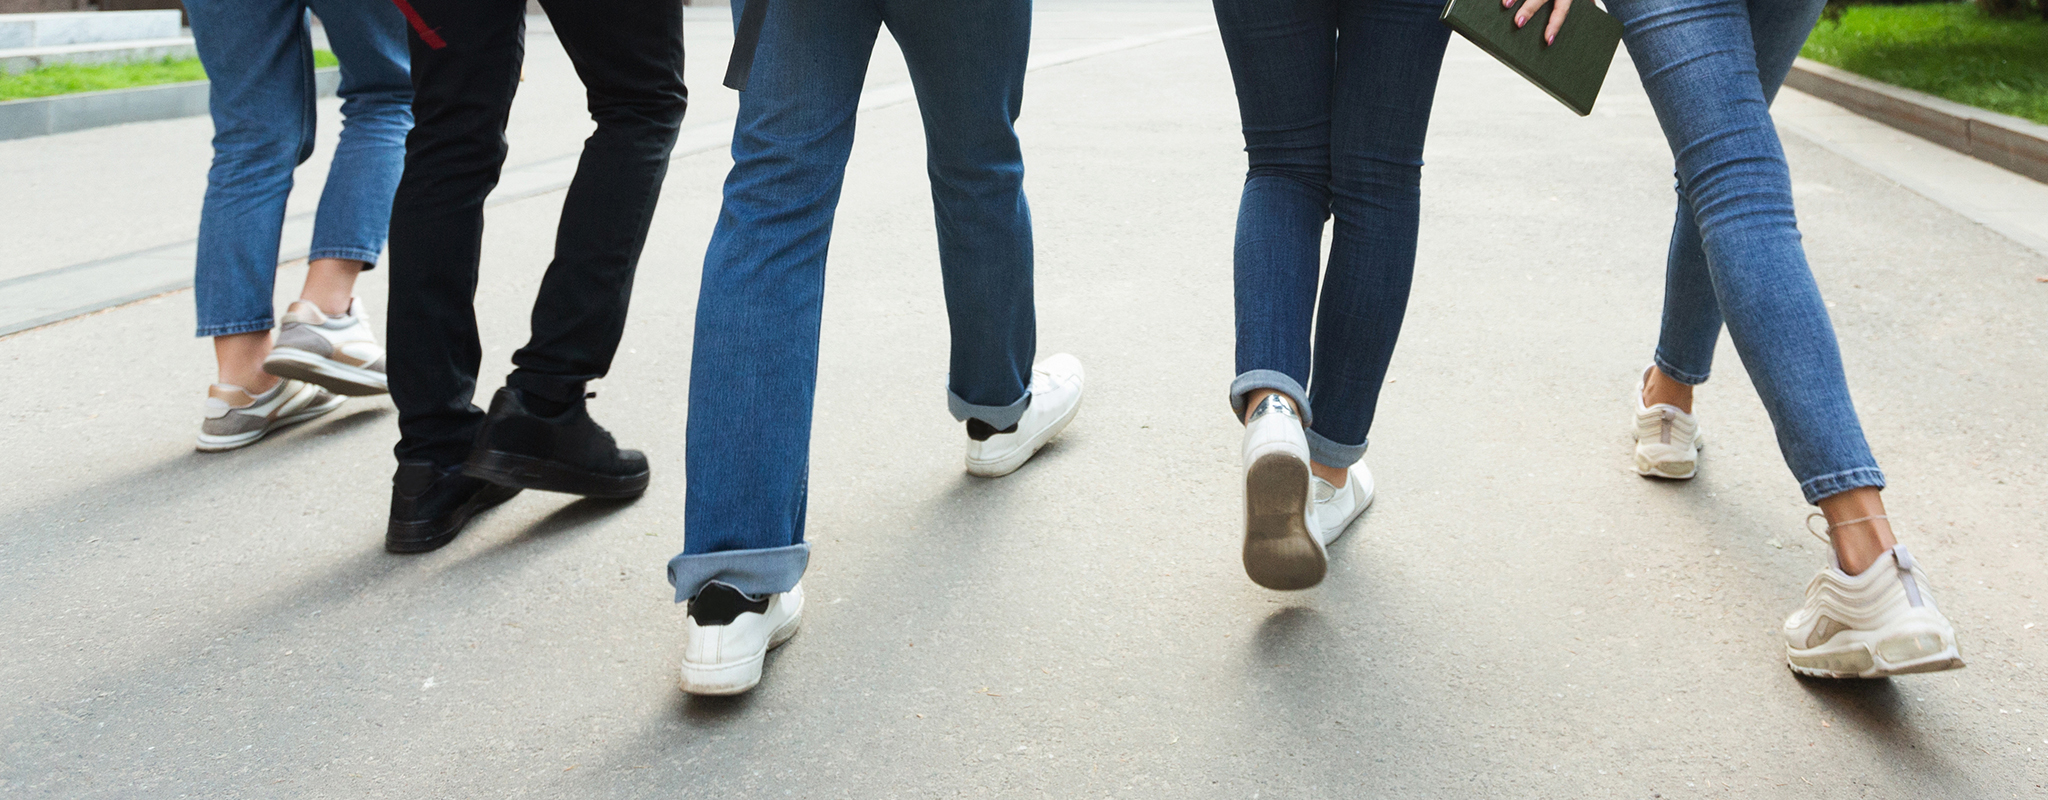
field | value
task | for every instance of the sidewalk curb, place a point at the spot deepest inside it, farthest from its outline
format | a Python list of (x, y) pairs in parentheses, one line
[(42, 116), (2010, 142)]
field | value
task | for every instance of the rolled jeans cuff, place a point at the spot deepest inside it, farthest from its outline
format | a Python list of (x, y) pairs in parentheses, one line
[(1331, 454), (756, 573), (368, 257), (232, 328), (1278, 381), (998, 417), (1825, 486), (1686, 377)]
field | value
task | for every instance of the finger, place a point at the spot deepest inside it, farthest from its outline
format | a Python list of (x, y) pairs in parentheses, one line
[(1557, 15), (1528, 10)]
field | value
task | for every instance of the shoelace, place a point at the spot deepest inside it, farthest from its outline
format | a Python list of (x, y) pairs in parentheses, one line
[(1899, 552)]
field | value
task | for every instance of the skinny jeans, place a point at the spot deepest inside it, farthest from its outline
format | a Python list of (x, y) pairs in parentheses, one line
[(1711, 68), (1335, 97)]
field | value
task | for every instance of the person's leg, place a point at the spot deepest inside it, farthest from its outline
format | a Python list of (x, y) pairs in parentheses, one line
[(462, 95), (754, 361), (376, 90), (323, 337), (1702, 74), (629, 54), (967, 59), (1282, 57), (1389, 53), (1282, 60), (1692, 317), (260, 62)]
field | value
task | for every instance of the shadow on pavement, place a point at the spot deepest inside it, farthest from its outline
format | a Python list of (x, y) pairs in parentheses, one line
[(1878, 711)]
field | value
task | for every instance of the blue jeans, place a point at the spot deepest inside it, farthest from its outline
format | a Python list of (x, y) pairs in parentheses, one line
[(1334, 96), (1711, 68), (259, 56), (754, 368)]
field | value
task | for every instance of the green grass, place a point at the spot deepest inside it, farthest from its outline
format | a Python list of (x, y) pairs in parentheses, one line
[(73, 78), (1949, 50)]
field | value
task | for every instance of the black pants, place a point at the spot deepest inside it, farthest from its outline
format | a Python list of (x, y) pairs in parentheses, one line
[(466, 56)]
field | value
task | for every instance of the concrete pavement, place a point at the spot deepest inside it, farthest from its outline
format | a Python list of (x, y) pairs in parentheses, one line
[(1518, 616)]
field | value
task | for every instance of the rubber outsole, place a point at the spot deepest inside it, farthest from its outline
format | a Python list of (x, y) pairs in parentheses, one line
[(740, 677), (1901, 652), (1650, 470), (326, 373), (527, 472), (1280, 552), (422, 537), (220, 444)]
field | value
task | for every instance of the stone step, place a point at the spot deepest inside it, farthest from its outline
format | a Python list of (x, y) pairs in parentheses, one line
[(23, 59), (85, 27)]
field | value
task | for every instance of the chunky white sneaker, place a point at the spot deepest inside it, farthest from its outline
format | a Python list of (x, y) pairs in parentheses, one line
[(1874, 625), (1668, 440), (1283, 548), (1055, 399), (727, 635), (1337, 508), (340, 354), (236, 418)]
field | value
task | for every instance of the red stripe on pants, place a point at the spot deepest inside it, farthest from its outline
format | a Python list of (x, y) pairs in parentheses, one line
[(427, 34)]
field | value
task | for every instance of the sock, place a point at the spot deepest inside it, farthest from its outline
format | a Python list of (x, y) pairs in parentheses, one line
[(981, 431), (720, 604)]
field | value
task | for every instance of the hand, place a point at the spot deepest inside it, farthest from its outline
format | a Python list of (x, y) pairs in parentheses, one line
[(1558, 10)]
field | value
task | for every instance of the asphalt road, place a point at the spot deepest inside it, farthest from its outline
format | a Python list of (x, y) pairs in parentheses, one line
[(1519, 615)]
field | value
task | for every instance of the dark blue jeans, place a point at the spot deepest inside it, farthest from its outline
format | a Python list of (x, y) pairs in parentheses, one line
[(754, 364), (1335, 98), (1711, 68)]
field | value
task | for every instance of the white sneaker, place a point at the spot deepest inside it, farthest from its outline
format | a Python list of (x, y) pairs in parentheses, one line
[(725, 658), (1877, 624), (236, 418), (1055, 399), (340, 354), (1337, 508), (1668, 440), (1283, 546)]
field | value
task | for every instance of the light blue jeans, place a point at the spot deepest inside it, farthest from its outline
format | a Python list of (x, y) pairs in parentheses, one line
[(1711, 68), (259, 57), (754, 362)]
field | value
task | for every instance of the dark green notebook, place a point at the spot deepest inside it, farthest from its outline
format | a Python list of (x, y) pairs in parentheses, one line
[(1571, 69)]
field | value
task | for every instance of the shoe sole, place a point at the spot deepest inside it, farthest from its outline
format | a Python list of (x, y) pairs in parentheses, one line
[(996, 468), (1879, 656), (209, 443), (737, 677), (1672, 470), (420, 537), (527, 472), (1280, 552), (326, 373)]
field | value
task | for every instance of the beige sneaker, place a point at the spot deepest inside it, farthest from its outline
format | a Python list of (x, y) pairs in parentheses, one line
[(1668, 440), (339, 354), (236, 418), (1874, 625)]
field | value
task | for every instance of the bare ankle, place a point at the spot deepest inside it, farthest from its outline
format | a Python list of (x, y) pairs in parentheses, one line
[(1858, 529), (1662, 389), (1335, 476)]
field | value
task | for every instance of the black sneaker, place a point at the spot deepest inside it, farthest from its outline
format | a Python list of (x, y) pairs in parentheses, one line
[(430, 505), (568, 452)]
